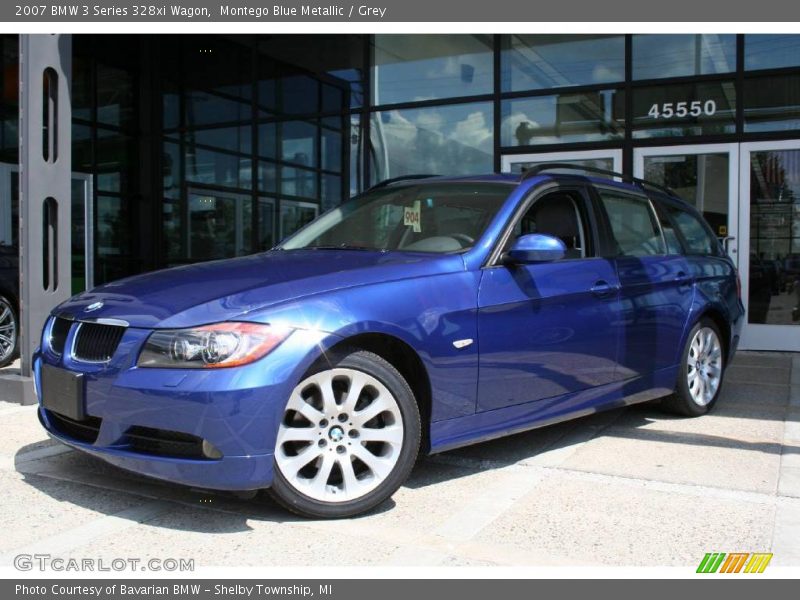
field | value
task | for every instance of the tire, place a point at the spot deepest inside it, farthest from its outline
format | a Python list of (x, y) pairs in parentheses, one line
[(9, 332), (339, 454), (698, 387)]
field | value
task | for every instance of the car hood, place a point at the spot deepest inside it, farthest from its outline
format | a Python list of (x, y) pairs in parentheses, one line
[(226, 289)]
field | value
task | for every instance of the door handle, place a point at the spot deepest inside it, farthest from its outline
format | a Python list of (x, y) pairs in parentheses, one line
[(602, 289)]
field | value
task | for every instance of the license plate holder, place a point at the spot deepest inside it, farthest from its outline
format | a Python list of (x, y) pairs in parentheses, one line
[(63, 392)]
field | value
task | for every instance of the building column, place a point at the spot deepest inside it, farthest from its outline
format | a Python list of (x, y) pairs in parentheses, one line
[(45, 186)]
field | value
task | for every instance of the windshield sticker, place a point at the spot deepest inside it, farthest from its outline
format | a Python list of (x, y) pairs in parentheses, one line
[(411, 217)]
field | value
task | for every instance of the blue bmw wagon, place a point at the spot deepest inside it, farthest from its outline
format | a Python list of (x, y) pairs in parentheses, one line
[(426, 314)]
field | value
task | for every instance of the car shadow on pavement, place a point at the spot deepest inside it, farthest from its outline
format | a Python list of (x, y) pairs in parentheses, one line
[(65, 476), (91, 483)]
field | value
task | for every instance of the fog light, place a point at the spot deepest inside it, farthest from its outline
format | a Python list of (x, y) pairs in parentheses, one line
[(210, 450)]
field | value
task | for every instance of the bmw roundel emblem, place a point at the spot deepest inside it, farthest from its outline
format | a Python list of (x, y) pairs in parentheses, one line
[(93, 306)]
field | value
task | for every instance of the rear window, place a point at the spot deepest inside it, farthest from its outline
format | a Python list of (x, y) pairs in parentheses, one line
[(699, 239)]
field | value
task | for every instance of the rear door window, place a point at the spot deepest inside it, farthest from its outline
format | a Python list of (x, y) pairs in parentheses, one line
[(634, 229)]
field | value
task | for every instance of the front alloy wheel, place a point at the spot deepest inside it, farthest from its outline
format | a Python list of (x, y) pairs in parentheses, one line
[(348, 439)]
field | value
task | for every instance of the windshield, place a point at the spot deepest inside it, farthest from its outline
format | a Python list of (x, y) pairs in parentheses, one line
[(437, 217)]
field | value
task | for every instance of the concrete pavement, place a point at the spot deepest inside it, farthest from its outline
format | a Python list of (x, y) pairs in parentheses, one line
[(627, 487)]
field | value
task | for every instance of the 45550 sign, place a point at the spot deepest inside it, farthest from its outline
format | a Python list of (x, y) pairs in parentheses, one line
[(694, 108)]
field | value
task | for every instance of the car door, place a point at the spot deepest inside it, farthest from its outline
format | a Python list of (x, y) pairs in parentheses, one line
[(548, 329), (656, 284)]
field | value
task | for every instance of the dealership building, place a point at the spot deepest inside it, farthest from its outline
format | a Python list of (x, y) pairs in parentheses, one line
[(186, 148)]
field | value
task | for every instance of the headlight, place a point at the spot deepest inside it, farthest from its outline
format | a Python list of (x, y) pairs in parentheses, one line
[(211, 346)]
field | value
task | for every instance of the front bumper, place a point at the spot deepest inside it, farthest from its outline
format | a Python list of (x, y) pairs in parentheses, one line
[(237, 410)]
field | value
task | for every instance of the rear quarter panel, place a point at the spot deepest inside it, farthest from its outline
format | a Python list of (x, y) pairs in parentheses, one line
[(716, 292)]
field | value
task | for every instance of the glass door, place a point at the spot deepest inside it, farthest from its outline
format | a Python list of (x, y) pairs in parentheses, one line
[(705, 175), (770, 269), (610, 160)]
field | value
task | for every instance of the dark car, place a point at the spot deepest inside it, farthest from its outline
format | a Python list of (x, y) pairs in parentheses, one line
[(424, 315), (9, 304)]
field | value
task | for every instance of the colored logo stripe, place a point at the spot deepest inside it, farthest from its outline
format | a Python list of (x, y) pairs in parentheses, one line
[(711, 562), (734, 562), (721, 562), (757, 563)]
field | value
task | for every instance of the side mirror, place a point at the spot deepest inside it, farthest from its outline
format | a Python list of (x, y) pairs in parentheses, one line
[(535, 248)]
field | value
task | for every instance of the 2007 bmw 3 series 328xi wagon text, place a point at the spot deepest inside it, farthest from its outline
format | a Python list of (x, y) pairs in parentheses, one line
[(426, 314)]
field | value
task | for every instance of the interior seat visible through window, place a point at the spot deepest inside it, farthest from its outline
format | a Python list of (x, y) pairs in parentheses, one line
[(556, 214)]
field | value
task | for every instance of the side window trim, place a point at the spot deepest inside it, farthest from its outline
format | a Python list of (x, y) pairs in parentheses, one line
[(589, 213), (654, 217)]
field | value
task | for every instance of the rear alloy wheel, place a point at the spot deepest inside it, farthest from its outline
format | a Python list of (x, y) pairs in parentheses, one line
[(348, 439), (9, 330), (702, 369)]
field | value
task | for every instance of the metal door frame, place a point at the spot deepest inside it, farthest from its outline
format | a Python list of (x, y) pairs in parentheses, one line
[(757, 336), (732, 150)]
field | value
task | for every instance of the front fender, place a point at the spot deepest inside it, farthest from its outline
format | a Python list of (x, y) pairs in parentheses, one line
[(429, 314)]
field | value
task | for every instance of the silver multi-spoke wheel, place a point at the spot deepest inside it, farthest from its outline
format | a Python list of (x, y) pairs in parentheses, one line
[(704, 366), (340, 437), (8, 331)]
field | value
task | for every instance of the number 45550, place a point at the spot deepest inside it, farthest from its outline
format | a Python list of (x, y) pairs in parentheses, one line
[(668, 110)]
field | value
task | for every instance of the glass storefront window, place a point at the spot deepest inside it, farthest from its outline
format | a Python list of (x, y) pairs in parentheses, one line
[(267, 177), (295, 215), (206, 108), (219, 224), (114, 96), (668, 55), (331, 191), (705, 108), (233, 139), (452, 140), (771, 51), (171, 170), (337, 60), (81, 88), (266, 223), (267, 140), (585, 117), (299, 95), (356, 155), (536, 62), (410, 68), (81, 148), (117, 161), (772, 103), (112, 236), (299, 143), (298, 182), (207, 166), (331, 150)]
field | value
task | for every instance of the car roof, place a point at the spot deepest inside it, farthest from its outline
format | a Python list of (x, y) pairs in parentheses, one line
[(515, 179)]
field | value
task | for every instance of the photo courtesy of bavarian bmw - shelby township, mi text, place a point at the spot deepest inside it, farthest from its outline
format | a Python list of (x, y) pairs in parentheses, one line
[(298, 298)]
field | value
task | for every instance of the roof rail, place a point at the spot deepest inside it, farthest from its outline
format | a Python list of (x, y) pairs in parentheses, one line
[(537, 169), (386, 182)]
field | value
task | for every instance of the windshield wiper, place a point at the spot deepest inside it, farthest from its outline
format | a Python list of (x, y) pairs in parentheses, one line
[(345, 246)]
